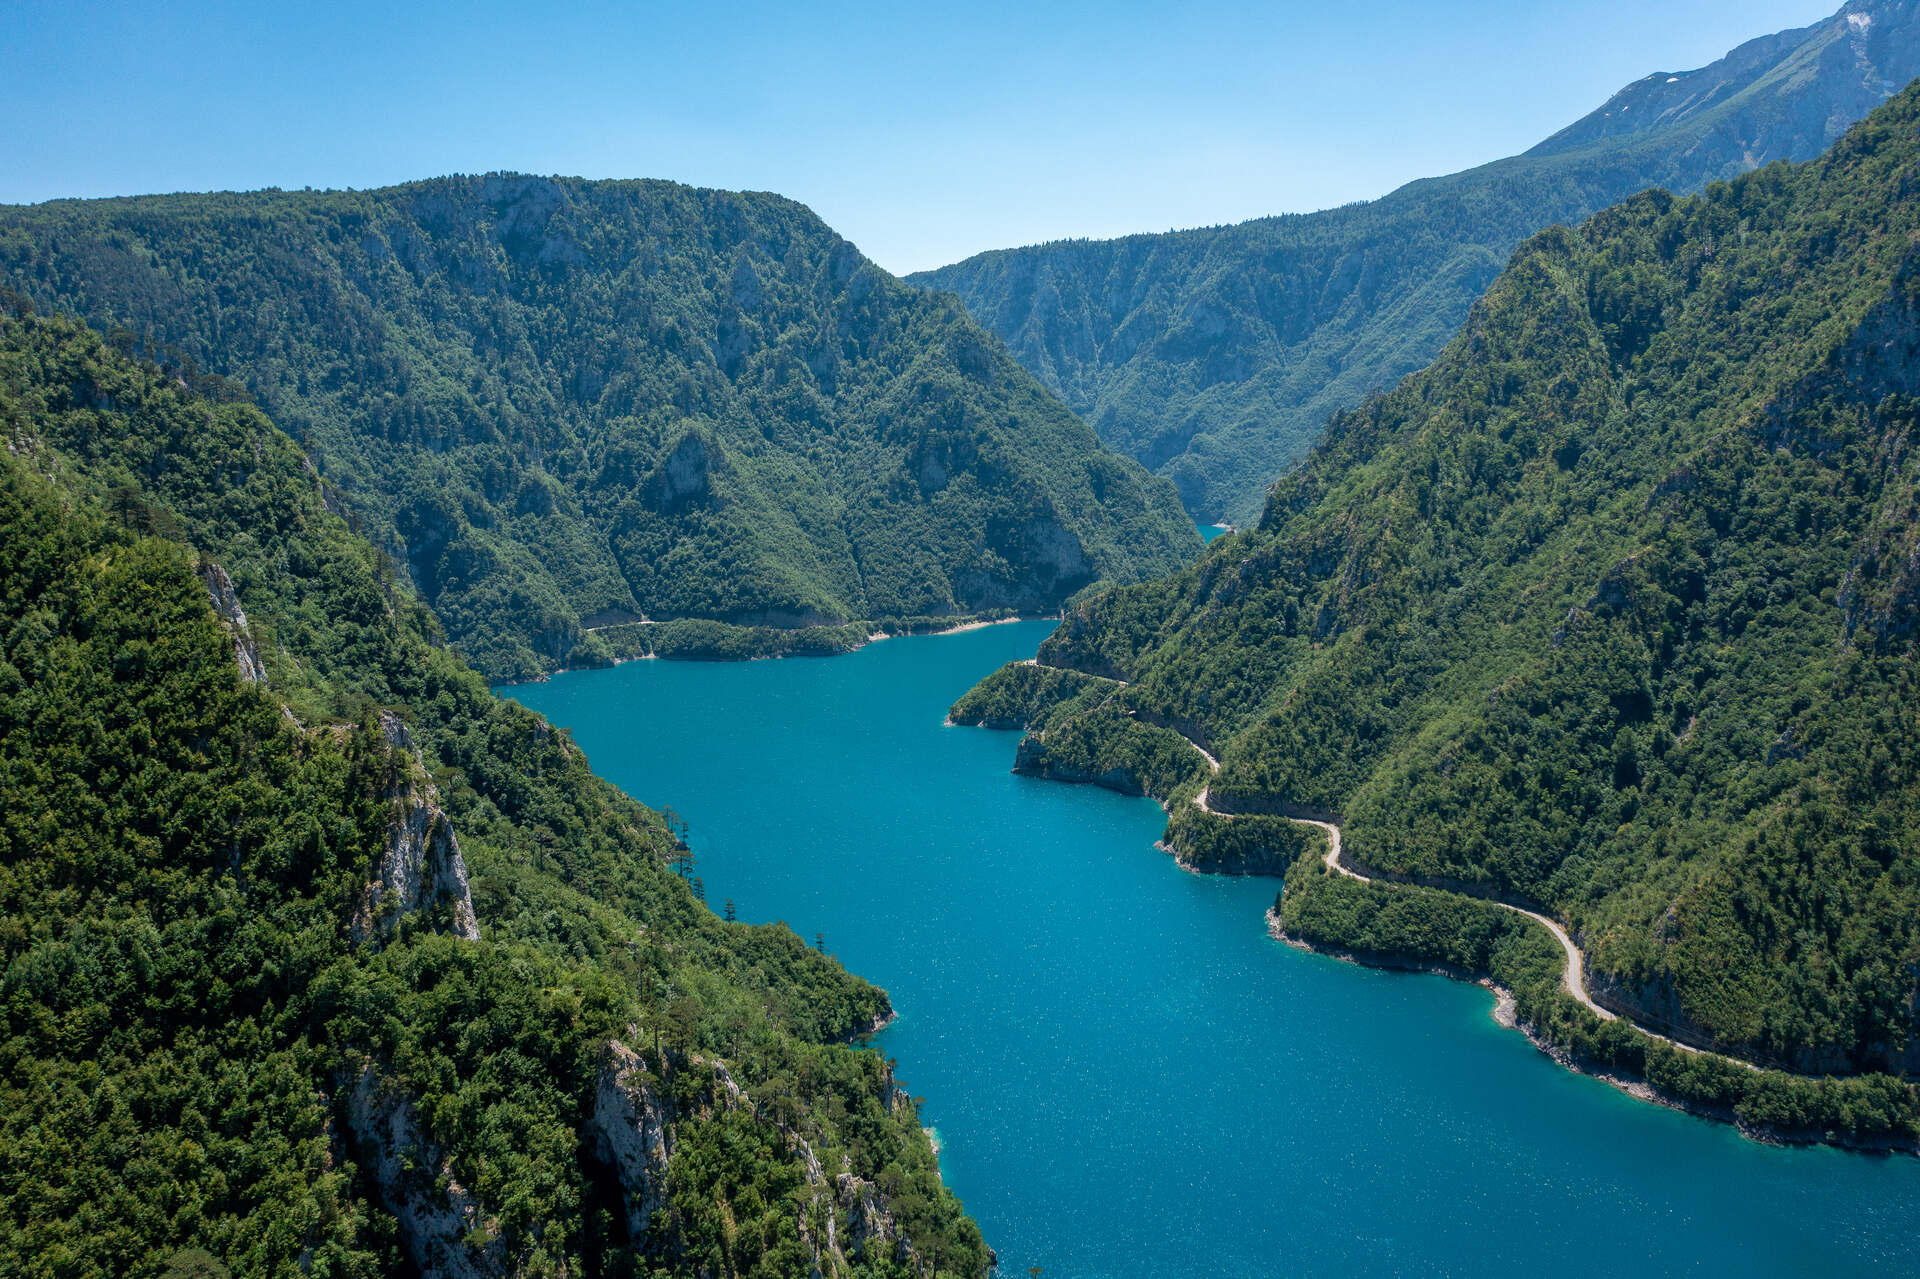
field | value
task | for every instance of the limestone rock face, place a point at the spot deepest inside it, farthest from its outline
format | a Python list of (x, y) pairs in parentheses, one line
[(1032, 758), (1656, 1003), (220, 594), (633, 1126), (869, 1225), (633, 1133), (422, 867), (684, 477), (445, 1231)]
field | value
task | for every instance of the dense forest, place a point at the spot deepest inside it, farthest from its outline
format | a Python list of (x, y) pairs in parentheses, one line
[(564, 405), (1613, 611), (1215, 356), (318, 958)]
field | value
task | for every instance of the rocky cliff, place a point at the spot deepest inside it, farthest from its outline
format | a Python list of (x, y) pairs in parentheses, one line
[(444, 1229), (641, 1102), (226, 605), (422, 869)]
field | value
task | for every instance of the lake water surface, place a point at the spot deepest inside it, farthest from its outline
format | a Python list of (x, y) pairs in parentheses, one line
[(1128, 1076)]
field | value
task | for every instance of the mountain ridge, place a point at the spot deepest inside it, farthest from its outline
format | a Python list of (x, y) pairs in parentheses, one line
[(317, 956), (554, 399), (1215, 355), (1611, 610)]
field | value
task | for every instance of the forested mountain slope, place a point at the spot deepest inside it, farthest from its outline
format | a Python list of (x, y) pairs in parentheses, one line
[(317, 958), (562, 403), (1612, 609), (1216, 355)]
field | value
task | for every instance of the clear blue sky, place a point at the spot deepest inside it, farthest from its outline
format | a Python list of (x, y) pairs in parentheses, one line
[(923, 135)]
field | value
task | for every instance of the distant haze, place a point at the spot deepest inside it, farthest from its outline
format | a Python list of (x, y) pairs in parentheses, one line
[(923, 137)]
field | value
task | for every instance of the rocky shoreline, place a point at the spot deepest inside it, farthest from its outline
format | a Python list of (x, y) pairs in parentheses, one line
[(1505, 1012)]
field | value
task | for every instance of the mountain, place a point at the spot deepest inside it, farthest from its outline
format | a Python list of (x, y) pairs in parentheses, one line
[(1215, 356), (565, 404), (1611, 611), (317, 958)]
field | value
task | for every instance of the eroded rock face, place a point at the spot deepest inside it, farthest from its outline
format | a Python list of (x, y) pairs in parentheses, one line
[(869, 1225), (633, 1126), (422, 867), (633, 1133), (1029, 567), (1657, 1004), (1031, 758), (444, 1229), (226, 603), (683, 477)]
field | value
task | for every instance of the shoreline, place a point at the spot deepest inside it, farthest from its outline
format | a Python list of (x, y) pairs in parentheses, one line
[(1572, 982), (1505, 1014), (873, 637)]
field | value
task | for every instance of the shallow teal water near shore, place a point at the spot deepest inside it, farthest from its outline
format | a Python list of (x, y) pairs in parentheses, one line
[(1130, 1078)]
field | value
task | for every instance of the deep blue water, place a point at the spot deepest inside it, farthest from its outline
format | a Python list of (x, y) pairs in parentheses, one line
[(1129, 1077), (1210, 531)]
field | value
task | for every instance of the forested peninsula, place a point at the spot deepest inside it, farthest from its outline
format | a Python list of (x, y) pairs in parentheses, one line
[(1609, 614), (573, 410), (321, 959)]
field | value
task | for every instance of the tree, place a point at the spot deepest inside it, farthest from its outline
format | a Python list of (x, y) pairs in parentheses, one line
[(683, 1020), (194, 1263)]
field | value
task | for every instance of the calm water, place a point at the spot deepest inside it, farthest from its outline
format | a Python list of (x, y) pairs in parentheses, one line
[(1210, 531), (1129, 1077)]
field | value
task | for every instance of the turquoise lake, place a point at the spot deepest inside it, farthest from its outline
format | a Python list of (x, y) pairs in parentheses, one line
[(1128, 1076)]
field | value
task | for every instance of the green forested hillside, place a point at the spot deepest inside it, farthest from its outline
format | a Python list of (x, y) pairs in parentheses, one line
[(1215, 355), (563, 404), (1613, 609), (355, 969)]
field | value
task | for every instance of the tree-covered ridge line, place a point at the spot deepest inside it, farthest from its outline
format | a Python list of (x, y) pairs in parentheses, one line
[(1073, 733), (220, 1046), (1610, 610), (556, 401), (1215, 355)]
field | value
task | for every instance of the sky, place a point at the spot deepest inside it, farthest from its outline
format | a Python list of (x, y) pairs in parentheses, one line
[(922, 133)]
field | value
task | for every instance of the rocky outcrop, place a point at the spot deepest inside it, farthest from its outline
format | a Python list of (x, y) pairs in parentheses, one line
[(421, 869), (1028, 567), (1656, 1004), (632, 1128), (1228, 799), (683, 477), (1032, 759), (444, 1229), (869, 1225), (226, 604)]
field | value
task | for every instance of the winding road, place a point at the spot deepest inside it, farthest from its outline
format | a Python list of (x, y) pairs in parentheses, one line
[(1573, 977)]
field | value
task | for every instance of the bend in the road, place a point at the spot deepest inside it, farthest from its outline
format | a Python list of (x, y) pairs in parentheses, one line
[(1573, 977)]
